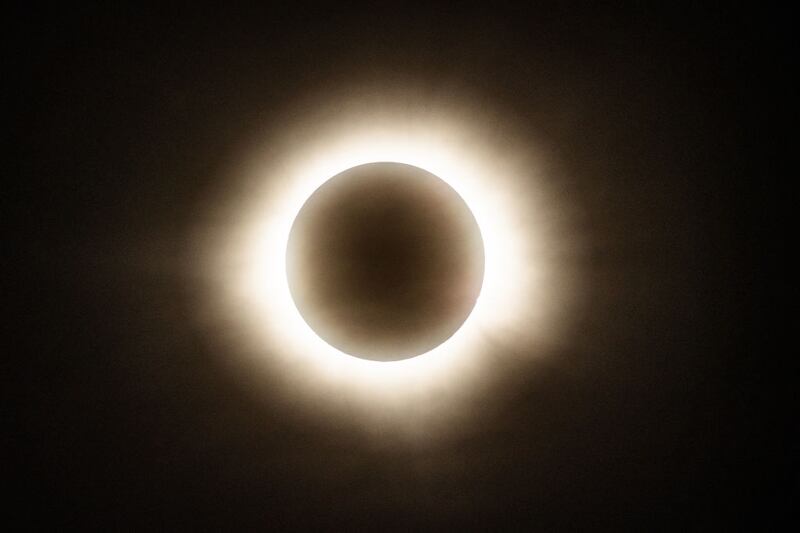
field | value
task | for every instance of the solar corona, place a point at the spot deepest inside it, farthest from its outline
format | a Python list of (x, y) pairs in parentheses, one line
[(382, 259)]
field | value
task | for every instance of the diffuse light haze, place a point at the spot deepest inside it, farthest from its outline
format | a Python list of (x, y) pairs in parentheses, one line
[(530, 248), (621, 369)]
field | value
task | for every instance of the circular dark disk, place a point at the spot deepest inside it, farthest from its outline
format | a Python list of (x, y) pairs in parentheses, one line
[(385, 261)]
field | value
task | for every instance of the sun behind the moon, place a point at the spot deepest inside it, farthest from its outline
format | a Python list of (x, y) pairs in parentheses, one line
[(457, 267), (385, 261)]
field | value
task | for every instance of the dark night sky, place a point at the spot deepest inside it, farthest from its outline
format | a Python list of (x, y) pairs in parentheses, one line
[(672, 406)]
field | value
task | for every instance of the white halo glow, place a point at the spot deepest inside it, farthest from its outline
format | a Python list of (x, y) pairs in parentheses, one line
[(522, 287)]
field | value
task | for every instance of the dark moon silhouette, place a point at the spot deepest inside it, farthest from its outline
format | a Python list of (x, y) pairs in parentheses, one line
[(385, 261)]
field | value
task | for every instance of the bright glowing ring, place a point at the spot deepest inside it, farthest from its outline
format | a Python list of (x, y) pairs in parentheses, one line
[(518, 297), (269, 276)]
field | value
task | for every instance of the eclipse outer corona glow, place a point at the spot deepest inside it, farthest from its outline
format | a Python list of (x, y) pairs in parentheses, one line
[(526, 296)]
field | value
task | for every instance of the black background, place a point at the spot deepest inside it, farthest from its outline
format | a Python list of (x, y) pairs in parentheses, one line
[(671, 407)]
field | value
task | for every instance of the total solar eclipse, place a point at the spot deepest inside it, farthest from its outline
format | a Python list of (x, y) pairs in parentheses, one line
[(385, 261), (384, 265)]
